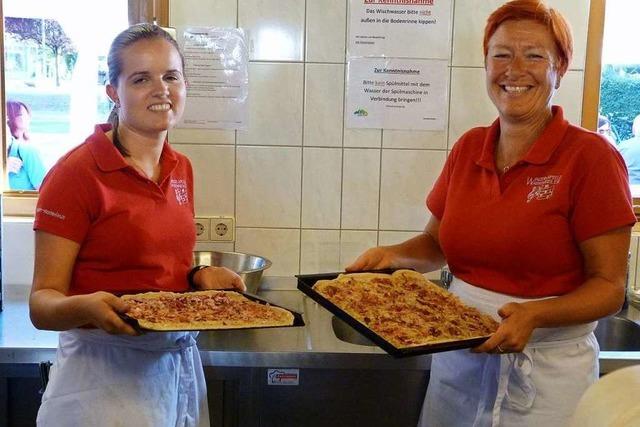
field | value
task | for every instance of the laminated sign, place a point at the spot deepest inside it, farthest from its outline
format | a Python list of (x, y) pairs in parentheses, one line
[(216, 65), (397, 64), (384, 93), (400, 28)]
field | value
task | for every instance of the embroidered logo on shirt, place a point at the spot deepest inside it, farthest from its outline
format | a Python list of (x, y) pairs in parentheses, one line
[(542, 187), (180, 188), (50, 213)]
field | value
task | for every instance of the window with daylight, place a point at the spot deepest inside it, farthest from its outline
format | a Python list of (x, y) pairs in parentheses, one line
[(54, 76), (619, 112)]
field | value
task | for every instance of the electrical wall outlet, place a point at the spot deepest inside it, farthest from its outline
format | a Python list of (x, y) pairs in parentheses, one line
[(222, 228), (203, 228)]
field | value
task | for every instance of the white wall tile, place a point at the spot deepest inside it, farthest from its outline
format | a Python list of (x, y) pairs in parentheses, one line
[(320, 251), (360, 187), (281, 246), (576, 12), (326, 30), (275, 28), (213, 170), (268, 186), (354, 243), (202, 136), (572, 83), (215, 246), (324, 88), (362, 138), (18, 249), (275, 105), (414, 139), (471, 17), (386, 238), (188, 13), (321, 187), (470, 105), (407, 177)]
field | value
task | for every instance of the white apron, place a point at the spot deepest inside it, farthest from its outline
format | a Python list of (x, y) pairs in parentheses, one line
[(539, 387), (152, 380)]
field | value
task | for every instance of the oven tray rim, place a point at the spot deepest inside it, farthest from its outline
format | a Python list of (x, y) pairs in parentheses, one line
[(305, 285), (298, 320)]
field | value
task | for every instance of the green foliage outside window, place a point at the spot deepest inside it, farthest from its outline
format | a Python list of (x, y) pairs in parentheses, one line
[(620, 97)]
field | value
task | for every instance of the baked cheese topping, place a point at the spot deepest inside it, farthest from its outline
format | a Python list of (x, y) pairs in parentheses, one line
[(203, 310), (405, 308)]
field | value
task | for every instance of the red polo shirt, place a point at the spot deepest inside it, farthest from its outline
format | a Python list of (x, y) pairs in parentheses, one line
[(518, 234), (134, 234)]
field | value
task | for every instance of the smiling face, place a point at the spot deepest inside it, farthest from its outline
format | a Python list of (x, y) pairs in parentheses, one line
[(522, 72), (151, 88)]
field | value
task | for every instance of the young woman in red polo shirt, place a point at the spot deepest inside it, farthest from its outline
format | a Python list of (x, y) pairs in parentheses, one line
[(533, 216), (115, 215)]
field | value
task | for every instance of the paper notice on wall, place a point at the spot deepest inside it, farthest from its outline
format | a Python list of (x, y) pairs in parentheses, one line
[(216, 68), (396, 93), (400, 28)]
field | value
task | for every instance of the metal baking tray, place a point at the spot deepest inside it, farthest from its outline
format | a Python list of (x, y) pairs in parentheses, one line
[(305, 284), (297, 317)]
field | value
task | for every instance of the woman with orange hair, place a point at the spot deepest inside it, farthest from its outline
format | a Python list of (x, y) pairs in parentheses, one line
[(533, 216)]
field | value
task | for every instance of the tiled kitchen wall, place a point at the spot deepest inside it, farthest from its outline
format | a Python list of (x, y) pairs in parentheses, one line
[(307, 192)]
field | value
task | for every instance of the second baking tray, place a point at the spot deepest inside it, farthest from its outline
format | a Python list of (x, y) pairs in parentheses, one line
[(297, 318), (305, 284)]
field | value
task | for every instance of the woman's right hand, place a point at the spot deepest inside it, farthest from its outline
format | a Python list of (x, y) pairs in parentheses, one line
[(218, 278), (375, 259), (102, 310)]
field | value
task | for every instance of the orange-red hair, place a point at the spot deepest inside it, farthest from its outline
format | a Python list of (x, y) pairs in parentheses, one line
[(535, 10)]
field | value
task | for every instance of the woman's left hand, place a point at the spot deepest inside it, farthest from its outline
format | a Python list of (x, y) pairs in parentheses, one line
[(518, 322), (218, 278)]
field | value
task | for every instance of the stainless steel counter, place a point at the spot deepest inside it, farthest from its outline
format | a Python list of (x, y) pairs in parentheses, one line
[(313, 345)]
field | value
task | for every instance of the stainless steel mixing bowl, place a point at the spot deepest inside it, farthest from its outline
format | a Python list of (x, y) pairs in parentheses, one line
[(248, 266)]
